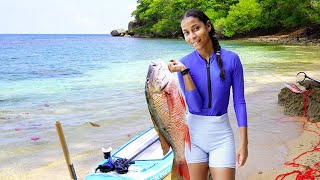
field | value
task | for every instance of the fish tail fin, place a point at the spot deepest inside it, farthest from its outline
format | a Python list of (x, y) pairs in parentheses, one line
[(187, 138), (180, 170)]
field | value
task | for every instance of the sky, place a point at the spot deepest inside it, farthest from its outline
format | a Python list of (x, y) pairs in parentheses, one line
[(64, 16)]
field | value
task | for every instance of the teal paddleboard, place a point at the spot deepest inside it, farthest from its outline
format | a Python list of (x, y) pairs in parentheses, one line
[(149, 161)]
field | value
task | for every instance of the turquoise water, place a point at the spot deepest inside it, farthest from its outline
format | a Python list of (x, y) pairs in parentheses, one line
[(61, 71), (98, 78)]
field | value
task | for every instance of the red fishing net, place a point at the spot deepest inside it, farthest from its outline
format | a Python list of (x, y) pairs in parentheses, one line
[(311, 172)]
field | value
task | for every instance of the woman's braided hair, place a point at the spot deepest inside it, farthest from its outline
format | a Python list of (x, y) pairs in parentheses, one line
[(216, 46)]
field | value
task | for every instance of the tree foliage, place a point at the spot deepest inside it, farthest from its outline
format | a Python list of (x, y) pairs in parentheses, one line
[(161, 18), (242, 17)]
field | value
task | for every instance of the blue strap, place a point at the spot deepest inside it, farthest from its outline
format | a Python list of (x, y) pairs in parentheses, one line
[(107, 166), (122, 165)]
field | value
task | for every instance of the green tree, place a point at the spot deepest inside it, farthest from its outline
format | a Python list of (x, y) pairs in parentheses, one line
[(313, 12), (216, 9), (161, 18), (290, 13), (242, 18)]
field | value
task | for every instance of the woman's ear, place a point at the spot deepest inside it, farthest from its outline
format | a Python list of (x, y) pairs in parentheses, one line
[(209, 25)]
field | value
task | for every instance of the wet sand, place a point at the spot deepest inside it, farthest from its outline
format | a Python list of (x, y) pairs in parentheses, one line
[(305, 142), (303, 150), (84, 163)]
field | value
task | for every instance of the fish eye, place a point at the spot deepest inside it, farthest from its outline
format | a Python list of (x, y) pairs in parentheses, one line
[(147, 80)]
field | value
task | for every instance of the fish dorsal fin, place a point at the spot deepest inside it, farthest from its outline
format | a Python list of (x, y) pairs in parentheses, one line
[(164, 143)]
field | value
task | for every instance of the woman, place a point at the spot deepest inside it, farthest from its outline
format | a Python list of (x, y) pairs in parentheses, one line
[(206, 76)]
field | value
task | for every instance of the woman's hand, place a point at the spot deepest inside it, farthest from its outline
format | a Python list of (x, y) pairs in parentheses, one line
[(242, 155), (176, 66)]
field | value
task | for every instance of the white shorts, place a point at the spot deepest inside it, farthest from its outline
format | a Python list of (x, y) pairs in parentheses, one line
[(212, 141)]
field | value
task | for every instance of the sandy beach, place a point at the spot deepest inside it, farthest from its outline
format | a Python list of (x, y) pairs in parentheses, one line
[(306, 142), (261, 164), (85, 162), (302, 160)]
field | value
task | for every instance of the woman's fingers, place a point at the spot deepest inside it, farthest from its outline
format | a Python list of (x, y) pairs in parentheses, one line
[(172, 65), (175, 65), (241, 160)]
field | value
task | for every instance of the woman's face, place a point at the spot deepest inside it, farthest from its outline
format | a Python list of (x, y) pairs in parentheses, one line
[(195, 32)]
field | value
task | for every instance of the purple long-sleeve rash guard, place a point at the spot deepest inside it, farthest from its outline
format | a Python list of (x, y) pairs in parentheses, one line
[(198, 100)]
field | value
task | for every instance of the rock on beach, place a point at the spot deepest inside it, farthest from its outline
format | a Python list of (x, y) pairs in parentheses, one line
[(294, 102)]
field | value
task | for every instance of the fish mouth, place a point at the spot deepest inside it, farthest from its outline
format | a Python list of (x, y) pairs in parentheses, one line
[(150, 85), (149, 78), (157, 78)]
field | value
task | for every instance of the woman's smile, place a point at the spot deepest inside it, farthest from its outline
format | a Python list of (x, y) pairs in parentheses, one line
[(195, 43)]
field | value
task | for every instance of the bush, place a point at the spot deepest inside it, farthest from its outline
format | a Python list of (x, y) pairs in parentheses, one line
[(166, 28), (219, 27), (243, 17)]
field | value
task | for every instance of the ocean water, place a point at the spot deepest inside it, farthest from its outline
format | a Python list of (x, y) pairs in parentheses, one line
[(76, 79)]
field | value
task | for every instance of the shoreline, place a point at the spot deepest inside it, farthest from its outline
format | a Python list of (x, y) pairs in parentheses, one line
[(301, 36), (284, 39), (272, 39), (307, 141)]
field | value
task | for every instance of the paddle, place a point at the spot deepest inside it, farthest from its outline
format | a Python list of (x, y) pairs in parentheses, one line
[(65, 151)]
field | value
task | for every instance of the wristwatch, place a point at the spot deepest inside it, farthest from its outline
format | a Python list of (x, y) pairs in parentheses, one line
[(184, 72)]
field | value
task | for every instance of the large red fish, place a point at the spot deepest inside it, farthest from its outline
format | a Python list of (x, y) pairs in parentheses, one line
[(167, 109)]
